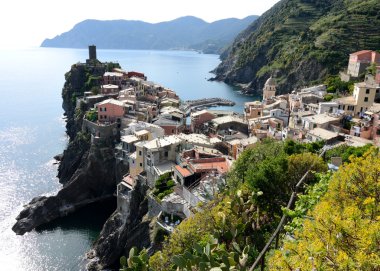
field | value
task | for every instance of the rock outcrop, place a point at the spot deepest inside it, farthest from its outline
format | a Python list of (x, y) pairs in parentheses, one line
[(86, 171), (94, 180), (121, 232)]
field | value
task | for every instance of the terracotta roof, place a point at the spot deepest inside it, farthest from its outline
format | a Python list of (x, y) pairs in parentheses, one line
[(183, 171), (360, 52), (222, 167)]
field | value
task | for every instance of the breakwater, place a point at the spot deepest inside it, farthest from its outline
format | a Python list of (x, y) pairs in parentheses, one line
[(191, 105)]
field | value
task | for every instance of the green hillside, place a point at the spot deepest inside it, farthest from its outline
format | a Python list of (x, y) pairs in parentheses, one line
[(301, 42)]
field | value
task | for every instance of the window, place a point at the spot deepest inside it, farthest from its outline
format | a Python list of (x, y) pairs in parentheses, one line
[(105, 109), (259, 113), (101, 109), (367, 91), (139, 152), (173, 131), (377, 91), (140, 164), (166, 154), (344, 107), (366, 99)]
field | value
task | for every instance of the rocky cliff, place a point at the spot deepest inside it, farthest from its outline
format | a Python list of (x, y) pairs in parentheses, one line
[(87, 171), (300, 42), (92, 181), (121, 232)]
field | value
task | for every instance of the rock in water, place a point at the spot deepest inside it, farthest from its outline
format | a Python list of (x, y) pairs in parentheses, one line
[(94, 180)]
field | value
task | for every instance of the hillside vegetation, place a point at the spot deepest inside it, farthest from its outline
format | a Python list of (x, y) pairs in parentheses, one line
[(328, 224), (301, 42), (182, 33)]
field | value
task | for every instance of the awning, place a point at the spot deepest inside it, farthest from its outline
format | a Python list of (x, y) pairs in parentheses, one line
[(368, 113)]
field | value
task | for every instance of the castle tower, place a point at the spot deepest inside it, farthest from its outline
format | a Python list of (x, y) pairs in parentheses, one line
[(269, 89), (92, 52)]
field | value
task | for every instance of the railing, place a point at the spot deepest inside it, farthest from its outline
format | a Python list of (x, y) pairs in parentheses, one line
[(275, 235)]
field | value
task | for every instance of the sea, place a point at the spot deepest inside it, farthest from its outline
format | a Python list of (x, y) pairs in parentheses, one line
[(32, 131)]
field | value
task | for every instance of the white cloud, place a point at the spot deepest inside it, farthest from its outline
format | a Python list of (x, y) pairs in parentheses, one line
[(28, 23)]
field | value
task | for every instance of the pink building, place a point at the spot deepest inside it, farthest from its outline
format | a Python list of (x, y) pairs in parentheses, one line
[(199, 118), (110, 110), (359, 61)]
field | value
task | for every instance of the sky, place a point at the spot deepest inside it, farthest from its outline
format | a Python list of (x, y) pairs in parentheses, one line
[(26, 23)]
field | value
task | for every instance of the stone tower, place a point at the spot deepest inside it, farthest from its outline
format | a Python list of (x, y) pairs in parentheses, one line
[(269, 89), (92, 52)]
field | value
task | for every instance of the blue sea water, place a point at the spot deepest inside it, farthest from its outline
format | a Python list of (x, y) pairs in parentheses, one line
[(32, 131)]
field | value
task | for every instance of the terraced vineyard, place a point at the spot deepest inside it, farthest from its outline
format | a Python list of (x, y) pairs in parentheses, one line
[(301, 42)]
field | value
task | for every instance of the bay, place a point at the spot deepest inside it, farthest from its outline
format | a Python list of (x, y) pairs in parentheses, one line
[(32, 131)]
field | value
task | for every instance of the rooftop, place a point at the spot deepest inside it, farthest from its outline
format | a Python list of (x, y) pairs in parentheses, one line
[(198, 113), (320, 118), (222, 167), (198, 139), (360, 52), (349, 100), (375, 108), (164, 121), (227, 119), (118, 74), (111, 101), (323, 133), (162, 142), (164, 167), (110, 86), (249, 141), (183, 171), (129, 138), (141, 132), (366, 84)]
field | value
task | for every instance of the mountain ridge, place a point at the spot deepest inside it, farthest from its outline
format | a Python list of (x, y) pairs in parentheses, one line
[(187, 32), (300, 42)]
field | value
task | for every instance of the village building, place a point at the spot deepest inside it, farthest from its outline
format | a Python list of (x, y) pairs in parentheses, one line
[(253, 110), (110, 110), (171, 126), (109, 89), (159, 156), (320, 134), (319, 121), (363, 98), (199, 118), (231, 123), (113, 78), (359, 61)]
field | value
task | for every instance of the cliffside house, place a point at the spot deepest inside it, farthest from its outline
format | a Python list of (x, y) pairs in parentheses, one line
[(359, 61), (109, 89), (159, 156), (114, 78), (110, 110)]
